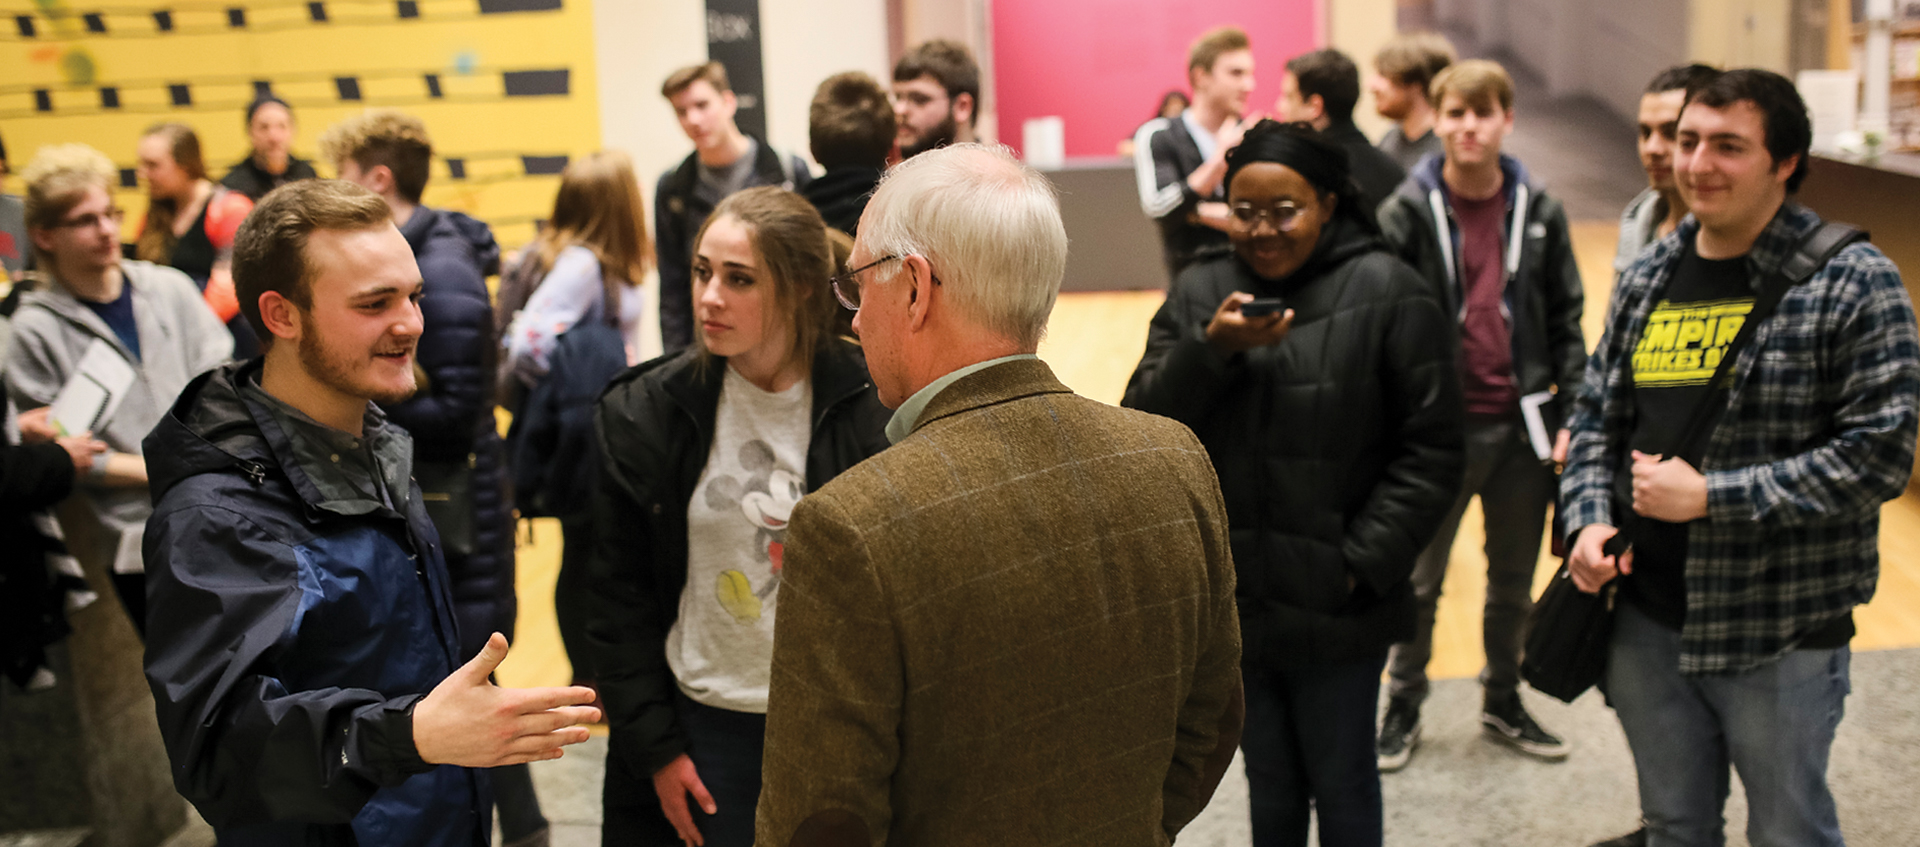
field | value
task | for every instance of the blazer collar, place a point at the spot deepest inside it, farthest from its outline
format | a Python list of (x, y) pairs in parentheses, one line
[(998, 384)]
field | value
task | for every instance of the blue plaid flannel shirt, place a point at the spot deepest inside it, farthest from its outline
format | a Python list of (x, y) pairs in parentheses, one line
[(1818, 433)]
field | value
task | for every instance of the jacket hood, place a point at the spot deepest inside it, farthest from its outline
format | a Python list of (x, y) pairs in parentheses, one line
[(1425, 177), (209, 428), (429, 228)]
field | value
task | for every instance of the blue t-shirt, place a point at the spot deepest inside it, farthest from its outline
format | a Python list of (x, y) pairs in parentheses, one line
[(119, 317)]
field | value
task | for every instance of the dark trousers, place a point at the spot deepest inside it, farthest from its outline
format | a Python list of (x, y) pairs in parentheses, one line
[(1515, 491), (516, 802), (132, 588), (1309, 750), (570, 593), (726, 748)]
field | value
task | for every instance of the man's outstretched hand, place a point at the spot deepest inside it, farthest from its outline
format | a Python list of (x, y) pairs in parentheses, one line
[(468, 721)]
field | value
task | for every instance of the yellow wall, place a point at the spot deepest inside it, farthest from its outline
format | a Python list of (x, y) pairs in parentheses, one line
[(473, 120), (1740, 33), (1359, 28)]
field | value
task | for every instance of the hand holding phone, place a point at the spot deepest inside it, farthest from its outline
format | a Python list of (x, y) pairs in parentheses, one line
[(1262, 307)]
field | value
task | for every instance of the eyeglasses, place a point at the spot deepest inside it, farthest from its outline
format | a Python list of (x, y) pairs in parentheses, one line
[(1284, 215), (93, 219), (846, 288)]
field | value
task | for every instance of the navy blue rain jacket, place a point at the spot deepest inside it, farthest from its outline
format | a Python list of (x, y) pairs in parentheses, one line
[(290, 637)]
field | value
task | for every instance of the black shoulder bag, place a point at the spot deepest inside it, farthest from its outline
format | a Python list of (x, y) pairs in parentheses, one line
[(1569, 630)]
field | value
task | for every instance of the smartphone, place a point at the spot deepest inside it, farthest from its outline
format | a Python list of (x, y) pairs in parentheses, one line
[(1262, 307)]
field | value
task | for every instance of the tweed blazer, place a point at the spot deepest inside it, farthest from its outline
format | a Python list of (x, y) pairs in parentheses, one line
[(1015, 626)]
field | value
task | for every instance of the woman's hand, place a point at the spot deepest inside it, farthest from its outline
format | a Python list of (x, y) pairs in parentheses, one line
[(673, 783), (1231, 332)]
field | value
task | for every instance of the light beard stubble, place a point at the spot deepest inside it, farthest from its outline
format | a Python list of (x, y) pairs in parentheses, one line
[(334, 370)]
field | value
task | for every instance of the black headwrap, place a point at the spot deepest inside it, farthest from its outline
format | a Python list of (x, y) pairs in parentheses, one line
[(1300, 147)]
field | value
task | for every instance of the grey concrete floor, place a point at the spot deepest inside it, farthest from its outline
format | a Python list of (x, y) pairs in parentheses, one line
[(1465, 790)]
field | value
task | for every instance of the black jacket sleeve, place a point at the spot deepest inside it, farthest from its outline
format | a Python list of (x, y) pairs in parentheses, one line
[(1421, 479), (672, 244), (223, 594), (1566, 303), (1181, 376), (626, 619), (34, 477)]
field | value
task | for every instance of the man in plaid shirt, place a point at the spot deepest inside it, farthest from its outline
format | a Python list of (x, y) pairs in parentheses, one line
[(1730, 643)]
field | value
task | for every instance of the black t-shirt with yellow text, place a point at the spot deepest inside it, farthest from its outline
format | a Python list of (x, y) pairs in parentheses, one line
[(1687, 334)]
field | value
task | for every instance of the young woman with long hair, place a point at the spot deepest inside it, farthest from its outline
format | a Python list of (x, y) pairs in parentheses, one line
[(191, 222), (706, 453)]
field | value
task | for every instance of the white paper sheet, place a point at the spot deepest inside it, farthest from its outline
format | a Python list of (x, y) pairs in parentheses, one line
[(95, 390)]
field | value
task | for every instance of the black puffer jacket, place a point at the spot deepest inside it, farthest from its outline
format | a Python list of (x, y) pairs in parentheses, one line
[(656, 428), (452, 421), (1338, 449)]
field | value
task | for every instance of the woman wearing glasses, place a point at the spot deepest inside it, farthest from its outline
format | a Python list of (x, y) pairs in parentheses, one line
[(707, 452), (1313, 366)]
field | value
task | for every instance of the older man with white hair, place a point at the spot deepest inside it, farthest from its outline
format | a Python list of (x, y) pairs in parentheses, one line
[(1017, 624)]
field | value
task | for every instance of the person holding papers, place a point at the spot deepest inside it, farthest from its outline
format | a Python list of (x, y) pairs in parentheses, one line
[(108, 343), (1494, 247)]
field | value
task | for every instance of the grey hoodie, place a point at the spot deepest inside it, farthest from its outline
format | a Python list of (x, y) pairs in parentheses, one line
[(179, 338)]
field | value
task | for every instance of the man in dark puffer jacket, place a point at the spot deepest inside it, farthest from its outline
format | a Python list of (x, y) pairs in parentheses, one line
[(459, 460)]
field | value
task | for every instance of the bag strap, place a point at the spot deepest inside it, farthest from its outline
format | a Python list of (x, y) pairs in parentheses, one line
[(1807, 258)]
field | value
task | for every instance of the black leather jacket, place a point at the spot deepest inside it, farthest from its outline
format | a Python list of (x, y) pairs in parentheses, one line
[(1339, 449), (656, 426)]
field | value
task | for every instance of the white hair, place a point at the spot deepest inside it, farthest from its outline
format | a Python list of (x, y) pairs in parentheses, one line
[(990, 227)]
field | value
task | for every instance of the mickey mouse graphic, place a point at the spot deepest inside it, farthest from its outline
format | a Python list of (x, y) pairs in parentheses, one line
[(765, 498)]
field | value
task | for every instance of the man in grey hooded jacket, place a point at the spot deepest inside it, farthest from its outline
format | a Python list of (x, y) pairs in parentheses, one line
[(148, 318)]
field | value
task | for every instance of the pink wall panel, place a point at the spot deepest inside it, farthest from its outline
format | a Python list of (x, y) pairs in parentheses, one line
[(1102, 65)]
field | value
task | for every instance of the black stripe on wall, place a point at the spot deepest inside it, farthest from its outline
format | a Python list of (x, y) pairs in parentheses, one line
[(495, 7), (535, 83)]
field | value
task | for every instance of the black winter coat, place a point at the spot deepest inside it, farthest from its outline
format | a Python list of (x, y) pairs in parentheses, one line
[(33, 477), (451, 419), (656, 425), (1339, 449)]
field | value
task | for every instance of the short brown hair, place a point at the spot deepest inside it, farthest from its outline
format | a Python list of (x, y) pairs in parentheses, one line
[(950, 63), (790, 241), (396, 140), (1480, 83), (270, 250), (850, 122), (1213, 44), (713, 72), (1415, 58)]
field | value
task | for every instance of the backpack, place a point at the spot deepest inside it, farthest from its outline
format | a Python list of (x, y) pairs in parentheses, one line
[(553, 453)]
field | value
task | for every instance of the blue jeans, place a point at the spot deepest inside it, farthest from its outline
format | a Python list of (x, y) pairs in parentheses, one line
[(726, 747), (1774, 723), (1309, 748)]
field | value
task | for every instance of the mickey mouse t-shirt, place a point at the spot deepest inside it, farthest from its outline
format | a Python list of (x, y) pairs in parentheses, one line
[(721, 647)]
